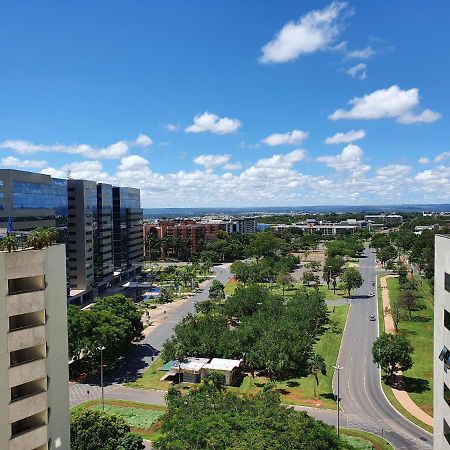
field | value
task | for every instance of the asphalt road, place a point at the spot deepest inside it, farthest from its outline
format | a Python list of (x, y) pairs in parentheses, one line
[(143, 353), (363, 402)]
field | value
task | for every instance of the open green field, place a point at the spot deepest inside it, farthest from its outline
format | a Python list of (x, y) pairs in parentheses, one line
[(299, 391), (419, 331), (142, 418)]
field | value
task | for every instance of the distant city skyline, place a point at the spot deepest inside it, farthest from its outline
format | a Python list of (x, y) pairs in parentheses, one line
[(224, 104)]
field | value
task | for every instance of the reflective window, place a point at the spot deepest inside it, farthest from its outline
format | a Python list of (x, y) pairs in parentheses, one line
[(447, 282)]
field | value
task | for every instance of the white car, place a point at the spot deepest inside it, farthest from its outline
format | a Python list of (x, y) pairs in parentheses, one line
[(372, 294)]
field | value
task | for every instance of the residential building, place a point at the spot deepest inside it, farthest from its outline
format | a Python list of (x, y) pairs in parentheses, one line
[(128, 242), (441, 354), (34, 397), (384, 218)]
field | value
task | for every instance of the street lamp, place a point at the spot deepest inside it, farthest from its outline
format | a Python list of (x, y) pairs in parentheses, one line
[(338, 368), (101, 374)]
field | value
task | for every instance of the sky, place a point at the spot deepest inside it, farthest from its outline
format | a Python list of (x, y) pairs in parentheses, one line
[(213, 103)]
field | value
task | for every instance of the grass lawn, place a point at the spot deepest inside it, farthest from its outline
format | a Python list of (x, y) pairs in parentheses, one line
[(361, 440), (230, 286), (142, 418), (419, 331), (299, 391), (387, 390)]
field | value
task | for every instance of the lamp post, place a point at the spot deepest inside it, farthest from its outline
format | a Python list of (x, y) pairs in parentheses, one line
[(338, 368), (101, 348)]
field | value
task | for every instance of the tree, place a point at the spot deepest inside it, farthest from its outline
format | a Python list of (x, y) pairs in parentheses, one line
[(352, 279), (92, 430), (310, 278), (332, 269), (210, 419), (395, 312), (265, 244), (9, 243), (284, 280), (316, 364), (408, 299), (39, 238), (215, 379), (402, 272), (392, 353), (387, 254), (216, 291)]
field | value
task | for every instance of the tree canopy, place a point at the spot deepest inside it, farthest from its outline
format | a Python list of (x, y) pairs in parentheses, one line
[(92, 430), (209, 418)]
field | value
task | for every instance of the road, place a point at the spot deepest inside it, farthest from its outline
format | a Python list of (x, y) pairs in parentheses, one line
[(143, 352), (363, 402)]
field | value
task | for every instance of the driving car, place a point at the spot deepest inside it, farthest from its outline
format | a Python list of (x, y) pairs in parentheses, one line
[(372, 294), (372, 317)]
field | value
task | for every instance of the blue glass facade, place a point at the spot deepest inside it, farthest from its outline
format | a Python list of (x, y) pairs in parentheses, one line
[(26, 195)]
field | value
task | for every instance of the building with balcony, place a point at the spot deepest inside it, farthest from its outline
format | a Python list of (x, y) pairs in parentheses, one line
[(34, 397), (441, 375)]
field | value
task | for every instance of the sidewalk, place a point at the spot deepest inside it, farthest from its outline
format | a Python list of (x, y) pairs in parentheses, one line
[(402, 396)]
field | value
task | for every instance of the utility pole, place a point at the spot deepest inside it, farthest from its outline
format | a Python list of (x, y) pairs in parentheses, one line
[(338, 368), (101, 374)]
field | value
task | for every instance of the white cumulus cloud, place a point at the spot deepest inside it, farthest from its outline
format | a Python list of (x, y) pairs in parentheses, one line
[(345, 138), (213, 123), (133, 162), (210, 162), (349, 160), (172, 127), (424, 160), (143, 141), (293, 137), (11, 161), (314, 31), (394, 171), (233, 166), (392, 102)]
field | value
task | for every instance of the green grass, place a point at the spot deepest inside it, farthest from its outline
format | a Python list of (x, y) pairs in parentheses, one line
[(135, 417), (362, 440), (419, 331), (386, 388), (298, 391), (143, 418), (150, 378), (230, 286)]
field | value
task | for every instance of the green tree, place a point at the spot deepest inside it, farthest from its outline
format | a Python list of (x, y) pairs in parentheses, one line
[(39, 238), (215, 379), (210, 419), (216, 291), (9, 243), (316, 364), (284, 280), (407, 299), (402, 272), (392, 353), (310, 278), (265, 244), (92, 430), (332, 269), (352, 279)]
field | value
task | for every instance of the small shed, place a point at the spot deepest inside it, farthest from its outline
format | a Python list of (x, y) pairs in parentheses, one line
[(229, 368), (190, 369)]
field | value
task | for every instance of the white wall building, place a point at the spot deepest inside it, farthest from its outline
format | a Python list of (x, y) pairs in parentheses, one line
[(441, 378), (34, 397)]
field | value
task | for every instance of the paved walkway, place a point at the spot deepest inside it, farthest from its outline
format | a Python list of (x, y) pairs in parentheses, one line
[(402, 396)]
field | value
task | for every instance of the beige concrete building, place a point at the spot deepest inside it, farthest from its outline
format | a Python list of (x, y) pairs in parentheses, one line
[(441, 376), (34, 398)]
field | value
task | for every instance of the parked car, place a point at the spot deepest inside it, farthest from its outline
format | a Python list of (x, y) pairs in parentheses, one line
[(372, 317), (372, 294)]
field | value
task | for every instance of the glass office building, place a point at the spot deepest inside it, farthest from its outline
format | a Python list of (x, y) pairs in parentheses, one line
[(128, 240)]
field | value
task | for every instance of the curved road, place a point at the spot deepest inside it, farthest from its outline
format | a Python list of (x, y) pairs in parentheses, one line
[(363, 402)]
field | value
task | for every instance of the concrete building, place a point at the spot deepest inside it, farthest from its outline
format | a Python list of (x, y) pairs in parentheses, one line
[(384, 218), (34, 397), (441, 376), (325, 229)]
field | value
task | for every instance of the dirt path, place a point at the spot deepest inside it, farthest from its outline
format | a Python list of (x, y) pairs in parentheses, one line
[(402, 396)]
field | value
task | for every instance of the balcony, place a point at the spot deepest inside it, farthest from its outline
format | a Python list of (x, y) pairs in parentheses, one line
[(26, 337), (24, 285), (32, 437), (25, 303), (27, 371), (27, 406)]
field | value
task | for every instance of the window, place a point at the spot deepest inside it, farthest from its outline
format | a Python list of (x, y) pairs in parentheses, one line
[(447, 282), (447, 319), (447, 394), (446, 431)]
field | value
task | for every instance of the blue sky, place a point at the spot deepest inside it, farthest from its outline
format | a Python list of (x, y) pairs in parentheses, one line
[(230, 103)]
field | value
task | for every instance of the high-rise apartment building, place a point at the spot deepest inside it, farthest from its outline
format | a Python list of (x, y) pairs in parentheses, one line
[(441, 378), (128, 240), (84, 214), (34, 397)]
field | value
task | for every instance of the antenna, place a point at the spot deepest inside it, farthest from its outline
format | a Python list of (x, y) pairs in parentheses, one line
[(69, 174)]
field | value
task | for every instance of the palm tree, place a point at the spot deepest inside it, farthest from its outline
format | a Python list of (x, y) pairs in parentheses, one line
[(316, 364), (9, 243), (53, 235)]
